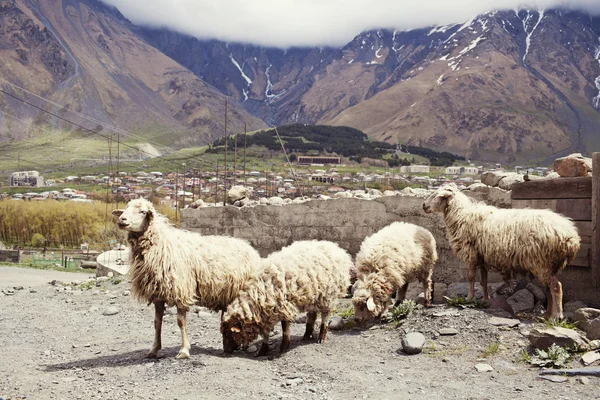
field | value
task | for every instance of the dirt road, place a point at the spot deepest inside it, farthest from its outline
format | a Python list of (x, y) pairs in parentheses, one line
[(56, 343)]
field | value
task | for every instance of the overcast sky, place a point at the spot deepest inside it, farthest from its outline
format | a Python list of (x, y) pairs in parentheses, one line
[(286, 23)]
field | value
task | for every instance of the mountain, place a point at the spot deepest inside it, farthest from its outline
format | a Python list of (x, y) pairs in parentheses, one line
[(91, 63), (505, 86)]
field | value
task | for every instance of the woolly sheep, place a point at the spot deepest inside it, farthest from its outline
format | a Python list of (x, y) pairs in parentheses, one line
[(307, 276), (541, 242), (180, 268), (389, 260)]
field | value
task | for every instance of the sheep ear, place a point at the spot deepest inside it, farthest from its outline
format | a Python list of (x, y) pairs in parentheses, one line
[(371, 304), (235, 329), (117, 213)]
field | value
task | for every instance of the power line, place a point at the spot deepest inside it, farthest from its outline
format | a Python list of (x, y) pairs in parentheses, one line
[(80, 126), (84, 116)]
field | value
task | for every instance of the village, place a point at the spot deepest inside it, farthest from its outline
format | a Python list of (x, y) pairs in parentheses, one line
[(315, 176)]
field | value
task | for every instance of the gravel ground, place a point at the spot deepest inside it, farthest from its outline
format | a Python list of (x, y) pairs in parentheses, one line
[(58, 344)]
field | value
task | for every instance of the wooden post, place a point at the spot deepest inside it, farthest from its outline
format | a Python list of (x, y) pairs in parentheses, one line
[(225, 175), (595, 221)]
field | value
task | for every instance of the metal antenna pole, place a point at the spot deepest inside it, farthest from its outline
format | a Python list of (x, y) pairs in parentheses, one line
[(288, 160)]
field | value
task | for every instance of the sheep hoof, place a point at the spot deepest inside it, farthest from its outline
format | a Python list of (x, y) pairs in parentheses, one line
[(285, 346), (263, 351), (152, 354), (308, 337), (182, 354)]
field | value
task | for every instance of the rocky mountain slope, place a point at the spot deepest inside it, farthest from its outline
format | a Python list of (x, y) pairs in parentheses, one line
[(506, 86), (87, 58)]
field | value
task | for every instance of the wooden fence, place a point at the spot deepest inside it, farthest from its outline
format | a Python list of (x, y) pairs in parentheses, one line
[(578, 199), (10, 256), (571, 197)]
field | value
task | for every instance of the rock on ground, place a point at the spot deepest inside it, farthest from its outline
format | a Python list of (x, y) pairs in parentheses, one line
[(521, 301), (542, 338), (413, 342), (336, 323)]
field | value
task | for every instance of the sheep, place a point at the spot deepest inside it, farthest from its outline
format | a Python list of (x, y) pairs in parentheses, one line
[(540, 242), (389, 260), (307, 276), (181, 268)]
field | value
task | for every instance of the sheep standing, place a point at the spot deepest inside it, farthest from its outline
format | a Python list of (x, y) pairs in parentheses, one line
[(180, 268), (389, 260), (541, 242), (305, 276)]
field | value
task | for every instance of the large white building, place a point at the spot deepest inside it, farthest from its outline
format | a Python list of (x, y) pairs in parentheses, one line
[(415, 169), (26, 178)]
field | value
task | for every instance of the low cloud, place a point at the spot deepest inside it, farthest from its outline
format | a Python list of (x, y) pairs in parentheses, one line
[(287, 23)]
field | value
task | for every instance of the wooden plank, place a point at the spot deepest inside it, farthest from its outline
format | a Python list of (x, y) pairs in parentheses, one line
[(576, 209), (559, 188), (595, 216), (585, 231), (583, 257)]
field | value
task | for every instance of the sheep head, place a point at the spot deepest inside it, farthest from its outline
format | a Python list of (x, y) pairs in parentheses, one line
[(136, 217), (438, 200), (236, 333), (370, 298)]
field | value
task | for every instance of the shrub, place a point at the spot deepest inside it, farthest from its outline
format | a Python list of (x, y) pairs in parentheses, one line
[(38, 240)]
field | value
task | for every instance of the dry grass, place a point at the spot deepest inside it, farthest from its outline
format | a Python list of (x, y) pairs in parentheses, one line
[(64, 224)]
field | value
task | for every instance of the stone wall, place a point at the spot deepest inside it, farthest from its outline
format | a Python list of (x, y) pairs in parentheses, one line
[(345, 221)]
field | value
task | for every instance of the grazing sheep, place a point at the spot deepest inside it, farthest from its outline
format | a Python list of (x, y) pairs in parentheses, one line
[(389, 260), (541, 242), (180, 268), (305, 276)]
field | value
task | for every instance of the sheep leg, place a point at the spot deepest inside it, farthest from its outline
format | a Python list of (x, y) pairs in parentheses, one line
[(285, 340), (264, 347), (159, 311), (471, 276), (483, 281), (555, 300), (324, 326), (401, 294), (548, 301), (311, 317), (428, 288), (184, 351)]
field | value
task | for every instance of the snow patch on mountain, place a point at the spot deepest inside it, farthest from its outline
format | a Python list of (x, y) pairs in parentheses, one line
[(530, 34), (596, 100), (240, 69)]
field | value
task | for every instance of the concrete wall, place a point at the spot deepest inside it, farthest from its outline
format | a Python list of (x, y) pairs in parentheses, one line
[(349, 221), (345, 221)]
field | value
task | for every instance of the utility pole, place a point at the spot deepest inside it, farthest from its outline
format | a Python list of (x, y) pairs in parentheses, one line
[(117, 174), (217, 183), (245, 133), (234, 156), (193, 185), (176, 189), (184, 176), (225, 177)]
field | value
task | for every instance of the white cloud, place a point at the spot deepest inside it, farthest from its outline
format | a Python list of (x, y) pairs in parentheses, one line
[(286, 23)]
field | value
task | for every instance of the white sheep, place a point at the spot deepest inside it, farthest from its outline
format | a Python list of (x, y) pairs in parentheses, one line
[(541, 242), (307, 276), (180, 268), (389, 260)]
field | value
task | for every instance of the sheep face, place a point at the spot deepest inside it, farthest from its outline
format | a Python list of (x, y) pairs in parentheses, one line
[(136, 217), (438, 200), (236, 333), (365, 306)]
